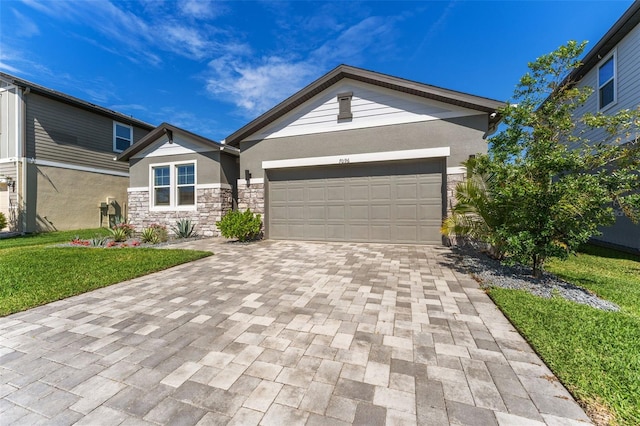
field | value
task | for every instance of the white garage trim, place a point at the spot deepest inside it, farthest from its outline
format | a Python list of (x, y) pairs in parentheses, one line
[(408, 154), (456, 170)]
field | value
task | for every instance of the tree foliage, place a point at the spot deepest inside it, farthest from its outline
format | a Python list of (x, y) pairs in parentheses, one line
[(553, 185)]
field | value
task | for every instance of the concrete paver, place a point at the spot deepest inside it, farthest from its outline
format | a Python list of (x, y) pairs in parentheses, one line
[(280, 332)]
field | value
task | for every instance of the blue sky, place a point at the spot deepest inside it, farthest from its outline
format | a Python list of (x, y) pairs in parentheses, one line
[(211, 67)]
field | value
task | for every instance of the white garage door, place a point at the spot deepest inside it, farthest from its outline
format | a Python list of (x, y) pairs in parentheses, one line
[(394, 202)]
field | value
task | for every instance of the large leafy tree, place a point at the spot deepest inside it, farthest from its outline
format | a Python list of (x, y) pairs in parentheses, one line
[(552, 187)]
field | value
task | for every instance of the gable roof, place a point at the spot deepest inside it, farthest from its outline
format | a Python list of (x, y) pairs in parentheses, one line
[(70, 100), (623, 26), (383, 80), (166, 128)]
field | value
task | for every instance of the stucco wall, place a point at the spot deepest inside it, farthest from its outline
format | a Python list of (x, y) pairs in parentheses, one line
[(207, 167), (463, 135), (69, 199)]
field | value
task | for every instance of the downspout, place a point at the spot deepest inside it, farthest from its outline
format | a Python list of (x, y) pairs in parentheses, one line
[(22, 152)]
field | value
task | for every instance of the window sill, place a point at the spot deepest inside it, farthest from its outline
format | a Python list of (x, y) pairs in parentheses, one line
[(173, 209)]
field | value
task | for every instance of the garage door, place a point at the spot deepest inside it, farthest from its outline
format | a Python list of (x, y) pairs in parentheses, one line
[(394, 202)]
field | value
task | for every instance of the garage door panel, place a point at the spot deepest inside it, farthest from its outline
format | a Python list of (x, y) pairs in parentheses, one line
[(336, 193), (336, 232), (315, 231), (316, 213), (406, 191), (397, 202), (380, 191), (358, 232), (295, 194), (407, 233), (407, 212), (316, 194), (358, 213), (381, 212), (358, 192), (336, 213)]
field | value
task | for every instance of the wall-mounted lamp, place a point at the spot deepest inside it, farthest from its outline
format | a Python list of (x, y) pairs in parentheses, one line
[(247, 176), (9, 181)]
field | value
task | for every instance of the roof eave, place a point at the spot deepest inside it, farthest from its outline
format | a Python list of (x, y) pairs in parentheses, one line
[(366, 76)]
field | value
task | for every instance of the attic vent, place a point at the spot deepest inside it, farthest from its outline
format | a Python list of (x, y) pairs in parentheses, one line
[(344, 104)]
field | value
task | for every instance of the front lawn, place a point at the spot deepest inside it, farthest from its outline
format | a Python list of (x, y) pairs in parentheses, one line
[(51, 237), (595, 354), (32, 273)]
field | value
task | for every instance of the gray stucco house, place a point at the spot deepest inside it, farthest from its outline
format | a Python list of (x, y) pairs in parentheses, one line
[(177, 174), (612, 69), (360, 156), (56, 158)]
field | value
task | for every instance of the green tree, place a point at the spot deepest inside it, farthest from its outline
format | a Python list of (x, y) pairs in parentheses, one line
[(552, 187)]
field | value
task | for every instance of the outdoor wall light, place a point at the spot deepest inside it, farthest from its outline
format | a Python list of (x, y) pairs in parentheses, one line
[(247, 176), (9, 181)]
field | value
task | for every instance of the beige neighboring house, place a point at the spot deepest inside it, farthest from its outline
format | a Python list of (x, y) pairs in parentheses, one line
[(360, 156), (612, 69), (57, 168)]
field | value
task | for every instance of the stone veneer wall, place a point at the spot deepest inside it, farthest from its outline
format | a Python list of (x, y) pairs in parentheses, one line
[(452, 181), (212, 204), (251, 197)]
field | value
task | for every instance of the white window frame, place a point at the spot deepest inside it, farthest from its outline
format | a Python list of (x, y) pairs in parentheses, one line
[(115, 124), (614, 78), (173, 184)]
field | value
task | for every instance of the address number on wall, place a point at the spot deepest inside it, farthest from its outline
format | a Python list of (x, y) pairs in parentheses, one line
[(343, 161)]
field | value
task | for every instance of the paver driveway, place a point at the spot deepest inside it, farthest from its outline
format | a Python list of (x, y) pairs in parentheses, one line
[(280, 333)]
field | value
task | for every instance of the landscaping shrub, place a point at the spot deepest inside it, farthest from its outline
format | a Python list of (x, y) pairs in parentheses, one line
[(3, 220), (119, 233), (184, 228), (154, 234), (243, 226)]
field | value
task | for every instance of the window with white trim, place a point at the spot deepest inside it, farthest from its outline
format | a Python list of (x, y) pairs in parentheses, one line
[(122, 136), (607, 82), (173, 186)]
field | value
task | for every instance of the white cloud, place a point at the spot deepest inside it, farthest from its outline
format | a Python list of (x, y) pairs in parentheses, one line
[(200, 9), (25, 27), (256, 85)]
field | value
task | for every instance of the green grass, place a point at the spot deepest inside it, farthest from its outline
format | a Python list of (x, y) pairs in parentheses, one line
[(595, 354), (32, 274), (611, 274), (50, 238)]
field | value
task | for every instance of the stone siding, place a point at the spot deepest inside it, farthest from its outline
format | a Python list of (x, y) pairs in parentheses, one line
[(251, 197), (212, 204), (452, 181)]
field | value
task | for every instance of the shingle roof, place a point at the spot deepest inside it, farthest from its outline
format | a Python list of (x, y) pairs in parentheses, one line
[(383, 80), (162, 129), (627, 22), (68, 99)]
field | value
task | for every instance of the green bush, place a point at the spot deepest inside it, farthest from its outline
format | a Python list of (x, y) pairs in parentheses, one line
[(3, 220), (243, 226), (184, 228)]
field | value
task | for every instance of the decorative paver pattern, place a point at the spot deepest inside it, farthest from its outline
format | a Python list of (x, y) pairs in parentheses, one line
[(280, 333)]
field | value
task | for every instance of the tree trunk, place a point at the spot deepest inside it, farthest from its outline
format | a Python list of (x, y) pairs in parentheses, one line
[(537, 266)]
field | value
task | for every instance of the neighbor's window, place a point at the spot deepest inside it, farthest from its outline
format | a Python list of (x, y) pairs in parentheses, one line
[(174, 185), (122, 136), (607, 82)]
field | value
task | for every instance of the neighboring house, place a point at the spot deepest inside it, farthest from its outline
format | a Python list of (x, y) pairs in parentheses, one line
[(57, 168), (612, 69), (360, 156), (175, 174)]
